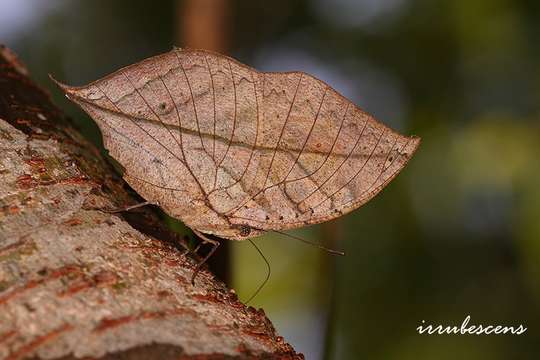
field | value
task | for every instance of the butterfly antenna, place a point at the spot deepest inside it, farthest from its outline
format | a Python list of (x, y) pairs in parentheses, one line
[(331, 251), (268, 272)]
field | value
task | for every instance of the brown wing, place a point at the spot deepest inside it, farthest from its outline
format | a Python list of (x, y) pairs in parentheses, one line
[(222, 146)]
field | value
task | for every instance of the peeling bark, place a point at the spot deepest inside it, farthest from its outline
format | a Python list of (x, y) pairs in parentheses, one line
[(76, 281)]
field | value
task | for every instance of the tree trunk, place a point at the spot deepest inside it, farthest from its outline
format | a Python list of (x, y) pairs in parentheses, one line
[(77, 281)]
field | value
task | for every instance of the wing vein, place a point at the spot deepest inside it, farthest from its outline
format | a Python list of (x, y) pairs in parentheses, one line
[(281, 133), (141, 128), (234, 209), (214, 103), (234, 125), (254, 143), (358, 172), (307, 138), (328, 153), (194, 106), (382, 171), (339, 166), (150, 108)]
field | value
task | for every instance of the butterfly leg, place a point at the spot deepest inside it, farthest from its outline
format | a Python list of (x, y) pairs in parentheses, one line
[(206, 240), (196, 250), (188, 249), (181, 240), (131, 207)]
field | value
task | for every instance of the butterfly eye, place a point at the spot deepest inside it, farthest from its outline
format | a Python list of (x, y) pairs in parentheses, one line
[(245, 230)]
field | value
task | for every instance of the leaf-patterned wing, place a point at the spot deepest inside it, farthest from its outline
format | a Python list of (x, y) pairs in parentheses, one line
[(224, 147), (150, 125), (318, 157)]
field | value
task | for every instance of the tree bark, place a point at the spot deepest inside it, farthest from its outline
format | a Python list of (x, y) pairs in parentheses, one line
[(79, 282)]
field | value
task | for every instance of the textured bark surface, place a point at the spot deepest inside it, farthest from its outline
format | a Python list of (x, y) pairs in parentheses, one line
[(79, 282)]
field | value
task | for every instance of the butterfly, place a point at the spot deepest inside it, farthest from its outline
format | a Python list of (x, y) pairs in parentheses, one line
[(234, 152)]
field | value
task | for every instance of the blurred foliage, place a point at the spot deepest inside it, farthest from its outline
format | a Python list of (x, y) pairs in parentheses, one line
[(457, 233)]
